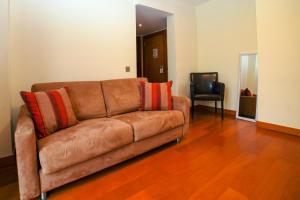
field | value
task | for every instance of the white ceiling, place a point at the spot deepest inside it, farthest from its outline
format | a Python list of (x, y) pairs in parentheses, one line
[(152, 20)]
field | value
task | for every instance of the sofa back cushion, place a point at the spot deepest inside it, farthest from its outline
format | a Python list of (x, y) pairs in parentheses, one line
[(86, 97), (122, 95)]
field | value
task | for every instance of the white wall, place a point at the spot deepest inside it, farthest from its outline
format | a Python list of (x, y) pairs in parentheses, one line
[(5, 136), (225, 28), (278, 31)]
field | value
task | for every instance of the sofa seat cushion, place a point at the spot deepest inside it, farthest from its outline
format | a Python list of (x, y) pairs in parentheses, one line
[(149, 123), (88, 139)]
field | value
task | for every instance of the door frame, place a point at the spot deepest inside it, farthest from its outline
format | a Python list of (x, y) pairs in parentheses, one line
[(139, 56), (165, 40)]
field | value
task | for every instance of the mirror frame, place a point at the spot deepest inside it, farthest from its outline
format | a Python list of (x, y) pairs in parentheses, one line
[(239, 88)]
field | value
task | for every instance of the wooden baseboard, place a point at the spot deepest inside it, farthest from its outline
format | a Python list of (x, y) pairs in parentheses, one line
[(8, 170), (278, 128), (212, 109)]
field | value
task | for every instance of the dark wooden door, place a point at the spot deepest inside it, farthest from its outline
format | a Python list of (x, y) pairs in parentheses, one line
[(138, 57), (155, 57)]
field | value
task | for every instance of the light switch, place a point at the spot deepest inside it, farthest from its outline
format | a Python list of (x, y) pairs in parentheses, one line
[(127, 68)]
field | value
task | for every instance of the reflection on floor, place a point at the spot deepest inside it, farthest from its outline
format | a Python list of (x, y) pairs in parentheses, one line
[(229, 159)]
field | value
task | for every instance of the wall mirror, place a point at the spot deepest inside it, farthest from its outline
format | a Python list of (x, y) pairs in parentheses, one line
[(247, 91)]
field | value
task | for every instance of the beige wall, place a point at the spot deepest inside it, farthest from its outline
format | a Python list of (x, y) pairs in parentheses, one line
[(251, 75), (5, 136), (59, 40), (278, 31), (225, 28), (248, 73), (54, 40), (182, 47)]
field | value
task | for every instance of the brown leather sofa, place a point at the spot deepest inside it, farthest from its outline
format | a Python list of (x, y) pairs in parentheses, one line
[(111, 129)]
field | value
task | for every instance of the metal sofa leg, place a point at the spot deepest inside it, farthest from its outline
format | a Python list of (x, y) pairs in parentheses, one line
[(178, 140), (43, 196)]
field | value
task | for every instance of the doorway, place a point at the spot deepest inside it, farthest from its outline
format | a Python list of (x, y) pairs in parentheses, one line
[(151, 41), (247, 92)]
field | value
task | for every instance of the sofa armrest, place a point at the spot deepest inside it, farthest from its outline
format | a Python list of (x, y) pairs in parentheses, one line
[(183, 104), (25, 141)]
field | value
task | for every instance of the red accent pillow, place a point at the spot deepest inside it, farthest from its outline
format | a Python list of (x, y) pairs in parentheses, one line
[(51, 110), (156, 96)]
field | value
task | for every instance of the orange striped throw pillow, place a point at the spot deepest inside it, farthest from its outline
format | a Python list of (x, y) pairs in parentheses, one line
[(51, 110), (156, 96)]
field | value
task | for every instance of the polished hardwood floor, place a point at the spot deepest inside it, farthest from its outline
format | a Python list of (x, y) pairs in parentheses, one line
[(225, 160)]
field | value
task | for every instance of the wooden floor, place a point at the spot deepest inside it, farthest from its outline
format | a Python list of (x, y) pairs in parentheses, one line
[(230, 159)]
